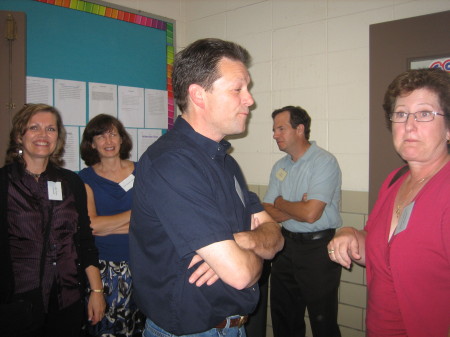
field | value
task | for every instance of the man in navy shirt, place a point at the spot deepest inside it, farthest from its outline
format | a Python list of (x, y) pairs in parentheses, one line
[(198, 237)]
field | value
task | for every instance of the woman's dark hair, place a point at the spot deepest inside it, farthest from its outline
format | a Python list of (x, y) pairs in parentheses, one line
[(435, 80), (298, 116), (97, 126), (198, 64), (19, 128)]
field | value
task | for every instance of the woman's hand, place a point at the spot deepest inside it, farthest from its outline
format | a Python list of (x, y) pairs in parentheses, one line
[(348, 244), (96, 307), (96, 303)]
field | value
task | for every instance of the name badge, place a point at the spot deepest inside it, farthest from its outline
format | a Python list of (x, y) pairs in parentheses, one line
[(239, 190), (54, 190), (127, 183), (281, 174)]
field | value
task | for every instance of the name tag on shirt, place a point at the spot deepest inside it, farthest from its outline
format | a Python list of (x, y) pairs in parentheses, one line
[(127, 183), (281, 174), (404, 218), (239, 190), (54, 190)]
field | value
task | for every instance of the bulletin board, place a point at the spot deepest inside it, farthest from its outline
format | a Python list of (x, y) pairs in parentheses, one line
[(97, 42)]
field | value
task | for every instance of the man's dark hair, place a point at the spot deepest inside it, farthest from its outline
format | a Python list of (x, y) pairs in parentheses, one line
[(198, 64), (298, 116)]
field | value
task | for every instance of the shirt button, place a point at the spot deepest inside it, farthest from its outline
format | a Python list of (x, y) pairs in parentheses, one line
[(54, 263)]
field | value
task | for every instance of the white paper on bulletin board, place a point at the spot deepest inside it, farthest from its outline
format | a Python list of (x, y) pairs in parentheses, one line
[(156, 109), (102, 99), (134, 136), (72, 149), (70, 100), (39, 90), (131, 106), (82, 164), (146, 137)]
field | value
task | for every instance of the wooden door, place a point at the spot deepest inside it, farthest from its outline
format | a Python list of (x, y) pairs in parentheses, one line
[(392, 46), (12, 72)]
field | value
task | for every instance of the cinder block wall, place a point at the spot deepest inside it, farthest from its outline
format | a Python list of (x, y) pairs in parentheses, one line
[(352, 292)]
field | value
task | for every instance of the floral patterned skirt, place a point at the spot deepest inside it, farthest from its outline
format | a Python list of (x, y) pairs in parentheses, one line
[(122, 317)]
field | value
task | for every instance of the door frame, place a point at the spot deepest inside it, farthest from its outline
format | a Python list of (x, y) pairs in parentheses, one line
[(16, 88)]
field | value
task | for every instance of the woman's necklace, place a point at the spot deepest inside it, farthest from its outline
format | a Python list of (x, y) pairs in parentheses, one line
[(34, 175), (400, 206)]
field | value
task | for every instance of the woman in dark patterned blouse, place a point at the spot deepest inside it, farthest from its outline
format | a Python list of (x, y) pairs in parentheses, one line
[(47, 243)]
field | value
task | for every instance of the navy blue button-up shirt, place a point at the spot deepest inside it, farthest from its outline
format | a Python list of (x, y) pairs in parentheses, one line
[(188, 193)]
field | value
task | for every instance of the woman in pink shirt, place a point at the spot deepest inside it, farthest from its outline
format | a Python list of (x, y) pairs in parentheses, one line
[(405, 244)]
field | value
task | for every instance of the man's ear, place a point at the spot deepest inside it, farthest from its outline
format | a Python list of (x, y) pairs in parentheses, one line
[(300, 129), (196, 95)]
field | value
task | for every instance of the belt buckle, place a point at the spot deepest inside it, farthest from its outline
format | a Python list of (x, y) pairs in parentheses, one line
[(242, 320)]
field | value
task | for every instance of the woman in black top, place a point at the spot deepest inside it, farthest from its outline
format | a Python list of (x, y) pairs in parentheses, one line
[(45, 238)]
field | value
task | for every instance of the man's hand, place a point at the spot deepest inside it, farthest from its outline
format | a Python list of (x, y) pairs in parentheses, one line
[(262, 242), (304, 210), (203, 274), (255, 222), (265, 240)]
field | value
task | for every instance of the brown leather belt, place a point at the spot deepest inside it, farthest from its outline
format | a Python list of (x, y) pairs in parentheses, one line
[(234, 322)]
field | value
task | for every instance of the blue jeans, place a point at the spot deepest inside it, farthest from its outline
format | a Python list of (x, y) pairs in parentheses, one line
[(152, 330)]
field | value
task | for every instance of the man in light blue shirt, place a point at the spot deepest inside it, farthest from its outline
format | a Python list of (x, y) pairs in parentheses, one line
[(304, 196)]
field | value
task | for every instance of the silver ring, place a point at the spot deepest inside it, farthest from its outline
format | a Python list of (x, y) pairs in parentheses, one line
[(330, 251)]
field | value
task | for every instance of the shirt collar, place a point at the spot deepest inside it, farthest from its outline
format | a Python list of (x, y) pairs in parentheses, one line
[(309, 152), (18, 171), (212, 148)]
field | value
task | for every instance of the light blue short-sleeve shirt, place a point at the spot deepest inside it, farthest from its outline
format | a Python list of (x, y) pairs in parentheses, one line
[(316, 173)]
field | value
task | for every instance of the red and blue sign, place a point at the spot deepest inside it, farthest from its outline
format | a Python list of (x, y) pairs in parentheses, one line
[(444, 65)]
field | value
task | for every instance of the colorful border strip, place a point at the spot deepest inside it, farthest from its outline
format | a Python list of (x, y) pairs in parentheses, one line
[(85, 6), (170, 56), (114, 13)]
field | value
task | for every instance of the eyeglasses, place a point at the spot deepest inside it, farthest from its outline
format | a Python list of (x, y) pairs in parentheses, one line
[(419, 116)]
